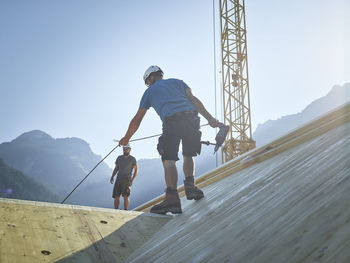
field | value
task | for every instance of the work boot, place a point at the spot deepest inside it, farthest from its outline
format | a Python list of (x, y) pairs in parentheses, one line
[(192, 191), (171, 203)]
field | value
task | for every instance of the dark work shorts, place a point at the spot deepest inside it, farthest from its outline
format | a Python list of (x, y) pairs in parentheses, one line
[(121, 187), (181, 127)]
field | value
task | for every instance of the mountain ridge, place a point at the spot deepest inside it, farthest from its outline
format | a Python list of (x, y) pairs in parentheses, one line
[(59, 164), (272, 129)]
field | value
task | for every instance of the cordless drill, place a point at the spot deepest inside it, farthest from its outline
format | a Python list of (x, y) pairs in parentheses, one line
[(221, 136)]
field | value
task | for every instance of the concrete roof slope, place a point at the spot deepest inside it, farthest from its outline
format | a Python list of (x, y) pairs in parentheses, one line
[(305, 133), (46, 232), (292, 207)]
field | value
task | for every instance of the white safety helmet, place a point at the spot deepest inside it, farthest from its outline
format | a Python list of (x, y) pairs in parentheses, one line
[(150, 70), (127, 146)]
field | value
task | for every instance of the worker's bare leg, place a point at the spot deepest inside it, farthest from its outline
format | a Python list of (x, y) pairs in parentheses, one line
[(192, 192), (116, 202), (188, 166), (170, 172), (126, 202)]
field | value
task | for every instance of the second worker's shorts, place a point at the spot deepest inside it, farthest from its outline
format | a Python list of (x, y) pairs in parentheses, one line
[(121, 187)]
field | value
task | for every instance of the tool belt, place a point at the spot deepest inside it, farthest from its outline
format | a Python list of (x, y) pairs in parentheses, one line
[(181, 114)]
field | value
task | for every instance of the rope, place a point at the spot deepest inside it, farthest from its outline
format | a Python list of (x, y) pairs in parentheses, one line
[(157, 135), (88, 174), (139, 139)]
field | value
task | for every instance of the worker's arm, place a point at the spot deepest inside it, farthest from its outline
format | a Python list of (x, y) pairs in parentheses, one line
[(201, 109), (114, 173), (133, 126), (135, 174)]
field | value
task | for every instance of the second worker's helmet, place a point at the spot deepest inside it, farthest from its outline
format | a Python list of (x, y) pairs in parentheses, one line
[(127, 146), (150, 70)]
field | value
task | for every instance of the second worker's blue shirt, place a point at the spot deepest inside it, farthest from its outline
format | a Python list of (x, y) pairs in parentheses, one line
[(167, 97)]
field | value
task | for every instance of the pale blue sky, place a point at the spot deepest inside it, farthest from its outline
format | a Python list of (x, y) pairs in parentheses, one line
[(74, 68)]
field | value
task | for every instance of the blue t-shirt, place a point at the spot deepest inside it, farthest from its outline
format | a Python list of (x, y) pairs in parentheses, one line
[(167, 97)]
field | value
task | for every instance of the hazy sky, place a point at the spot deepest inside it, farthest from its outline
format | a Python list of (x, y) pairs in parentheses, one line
[(73, 68)]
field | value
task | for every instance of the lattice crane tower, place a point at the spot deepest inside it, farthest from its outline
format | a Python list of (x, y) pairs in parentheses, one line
[(236, 100)]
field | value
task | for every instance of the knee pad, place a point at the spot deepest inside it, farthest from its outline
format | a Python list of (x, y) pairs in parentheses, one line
[(127, 192), (160, 146)]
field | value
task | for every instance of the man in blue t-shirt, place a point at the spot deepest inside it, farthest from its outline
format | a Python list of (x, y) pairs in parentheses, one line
[(178, 109)]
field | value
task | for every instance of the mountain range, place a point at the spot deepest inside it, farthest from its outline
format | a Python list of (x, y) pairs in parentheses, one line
[(14, 184), (273, 129), (58, 165)]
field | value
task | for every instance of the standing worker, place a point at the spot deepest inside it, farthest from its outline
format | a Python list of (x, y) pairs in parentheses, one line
[(178, 109), (123, 165)]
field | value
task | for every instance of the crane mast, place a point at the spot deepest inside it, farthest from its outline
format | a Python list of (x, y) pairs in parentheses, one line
[(235, 82)]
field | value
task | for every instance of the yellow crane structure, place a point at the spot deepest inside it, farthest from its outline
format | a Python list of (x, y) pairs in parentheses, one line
[(235, 82)]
